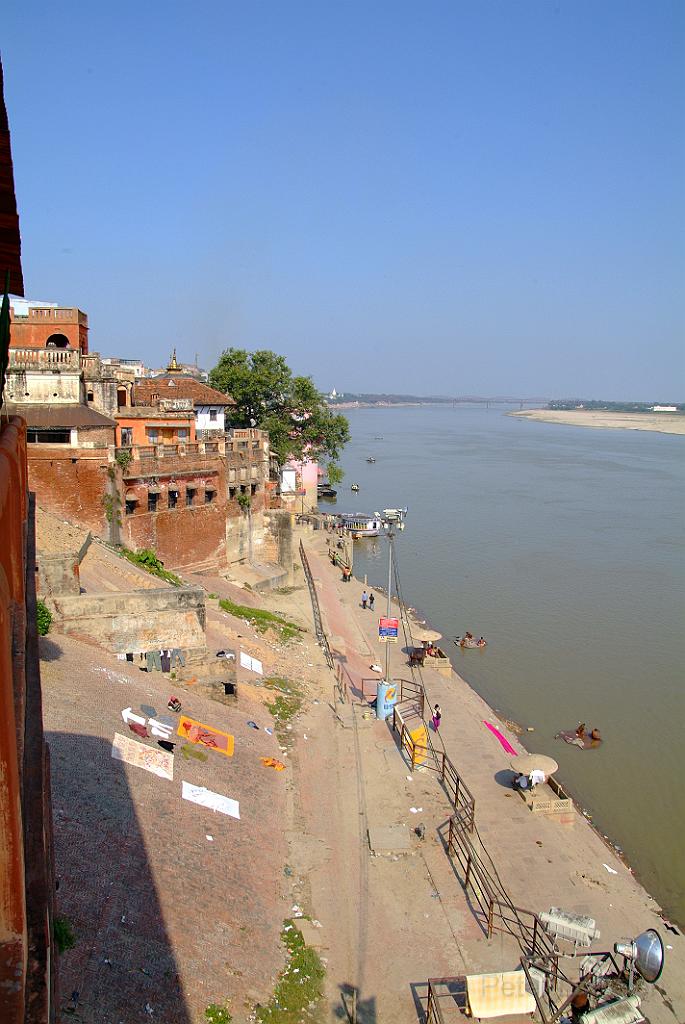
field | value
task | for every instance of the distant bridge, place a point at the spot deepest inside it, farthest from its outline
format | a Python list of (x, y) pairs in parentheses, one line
[(523, 403)]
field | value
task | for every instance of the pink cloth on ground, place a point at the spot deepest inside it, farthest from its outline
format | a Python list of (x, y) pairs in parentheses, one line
[(503, 740)]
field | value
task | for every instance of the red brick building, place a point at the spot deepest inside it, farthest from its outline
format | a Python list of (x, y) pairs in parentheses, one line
[(44, 325)]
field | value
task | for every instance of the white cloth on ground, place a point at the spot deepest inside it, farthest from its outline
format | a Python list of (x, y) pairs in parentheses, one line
[(215, 802)]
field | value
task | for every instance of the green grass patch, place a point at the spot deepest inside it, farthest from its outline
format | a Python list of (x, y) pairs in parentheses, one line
[(215, 1013), (262, 620), (299, 984), (287, 703), (63, 934), (286, 591), (148, 560)]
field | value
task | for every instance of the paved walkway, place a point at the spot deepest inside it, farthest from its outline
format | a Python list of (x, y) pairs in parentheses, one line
[(541, 862)]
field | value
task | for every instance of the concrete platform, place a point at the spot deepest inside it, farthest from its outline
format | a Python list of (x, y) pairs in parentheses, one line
[(389, 839)]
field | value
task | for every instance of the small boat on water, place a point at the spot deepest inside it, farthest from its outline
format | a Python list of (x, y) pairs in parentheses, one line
[(469, 642), (359, 526), (354, 487), (325, 491), (370, 458)]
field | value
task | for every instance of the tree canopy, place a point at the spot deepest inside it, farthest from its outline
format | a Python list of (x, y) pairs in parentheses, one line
[(268, 396)]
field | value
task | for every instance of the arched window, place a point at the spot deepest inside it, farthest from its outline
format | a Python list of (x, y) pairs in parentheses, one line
[(57, 341)]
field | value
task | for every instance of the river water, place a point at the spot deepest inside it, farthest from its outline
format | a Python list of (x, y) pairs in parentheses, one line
[(565, 547)]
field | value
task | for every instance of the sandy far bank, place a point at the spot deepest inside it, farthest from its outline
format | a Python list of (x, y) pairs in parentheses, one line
[(662, 423)]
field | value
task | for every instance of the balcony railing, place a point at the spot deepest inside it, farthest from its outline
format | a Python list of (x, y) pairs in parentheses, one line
[(37, 358), (127, 454)]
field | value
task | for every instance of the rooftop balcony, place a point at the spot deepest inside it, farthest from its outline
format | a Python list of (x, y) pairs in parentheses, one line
[(145, 459), (44, 359), (53, 314)]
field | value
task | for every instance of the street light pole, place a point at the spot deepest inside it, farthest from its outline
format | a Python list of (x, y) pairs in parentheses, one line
[(391, 537)]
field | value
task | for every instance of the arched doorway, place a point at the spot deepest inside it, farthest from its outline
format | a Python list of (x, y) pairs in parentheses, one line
[(57, 341), (122, 398)]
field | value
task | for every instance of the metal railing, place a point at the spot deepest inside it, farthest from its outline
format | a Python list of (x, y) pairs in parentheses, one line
[(499, 914), (452, 990), (318, 625)]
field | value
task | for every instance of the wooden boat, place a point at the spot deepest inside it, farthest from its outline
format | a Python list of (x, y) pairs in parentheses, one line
[(326, 491)]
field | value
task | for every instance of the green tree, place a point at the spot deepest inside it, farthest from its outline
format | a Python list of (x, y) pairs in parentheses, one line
[(291, 409)]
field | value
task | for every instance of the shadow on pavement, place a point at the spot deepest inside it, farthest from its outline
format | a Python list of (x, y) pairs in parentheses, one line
[(352, 1009), (122, 966), (48, 649)]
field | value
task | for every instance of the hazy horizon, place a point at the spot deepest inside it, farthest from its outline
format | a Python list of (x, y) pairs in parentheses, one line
[(479, 199)]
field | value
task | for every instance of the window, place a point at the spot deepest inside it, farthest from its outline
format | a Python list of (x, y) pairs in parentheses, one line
[(173, 499), (89, 396), (152, 501), (243, 489), (209, 496), (212, 415), (152, 435), (253, 488), (126, 437), (130, 507), (48, 436), (232, 492), (154, 396), (183, 434), (190, 494)]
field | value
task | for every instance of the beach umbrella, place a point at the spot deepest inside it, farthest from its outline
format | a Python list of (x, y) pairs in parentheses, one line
[(526, 763), (429, 635)]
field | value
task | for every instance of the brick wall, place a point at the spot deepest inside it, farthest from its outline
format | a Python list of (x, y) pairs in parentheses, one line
[(180, 536), (28, 967), (71, 484), (141, 620)]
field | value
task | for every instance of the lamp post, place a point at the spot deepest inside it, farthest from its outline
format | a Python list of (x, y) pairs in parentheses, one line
[(391, 518)]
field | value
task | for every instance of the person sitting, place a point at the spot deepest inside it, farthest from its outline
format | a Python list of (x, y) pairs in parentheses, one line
[(468, 636), (536, 778), (481, 642), (595, 735), (580, 731), (521, 782)]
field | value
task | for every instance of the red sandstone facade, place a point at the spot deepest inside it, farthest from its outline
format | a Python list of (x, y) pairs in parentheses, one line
[(49, 327), (28, 963)]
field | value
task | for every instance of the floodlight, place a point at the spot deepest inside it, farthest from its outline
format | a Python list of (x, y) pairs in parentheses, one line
[(645, 955)]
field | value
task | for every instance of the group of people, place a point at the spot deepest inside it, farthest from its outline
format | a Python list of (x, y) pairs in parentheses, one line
[(368, 600), (535, 778), (583, 734)]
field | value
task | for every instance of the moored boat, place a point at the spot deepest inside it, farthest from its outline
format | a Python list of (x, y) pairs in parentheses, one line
[(359, 526)]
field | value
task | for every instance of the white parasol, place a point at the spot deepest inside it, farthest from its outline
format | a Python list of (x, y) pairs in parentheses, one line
[(527, 763), (429, 635)]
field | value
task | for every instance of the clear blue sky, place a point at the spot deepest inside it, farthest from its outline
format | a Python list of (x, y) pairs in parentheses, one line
[(436, 197)]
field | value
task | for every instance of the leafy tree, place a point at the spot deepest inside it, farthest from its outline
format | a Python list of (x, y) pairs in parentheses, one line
[(291, 409)]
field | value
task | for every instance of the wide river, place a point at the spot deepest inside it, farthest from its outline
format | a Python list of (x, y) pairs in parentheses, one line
[(565, 548)]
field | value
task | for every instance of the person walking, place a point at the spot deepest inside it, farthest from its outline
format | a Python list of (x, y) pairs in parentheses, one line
[(365, 598), (372, 600), (437, 716)]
